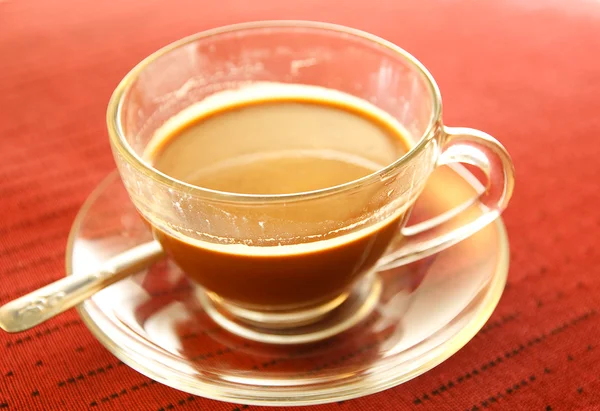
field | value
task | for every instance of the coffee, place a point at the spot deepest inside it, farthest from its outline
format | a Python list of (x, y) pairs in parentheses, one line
[(282, 144)]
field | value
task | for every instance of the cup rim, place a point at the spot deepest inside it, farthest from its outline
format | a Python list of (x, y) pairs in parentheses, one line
[(120, 144)]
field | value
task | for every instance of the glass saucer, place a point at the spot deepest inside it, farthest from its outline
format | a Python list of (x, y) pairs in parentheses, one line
[(154, 322)]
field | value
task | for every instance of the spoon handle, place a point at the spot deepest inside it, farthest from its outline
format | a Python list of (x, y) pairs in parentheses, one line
[(46, 302)]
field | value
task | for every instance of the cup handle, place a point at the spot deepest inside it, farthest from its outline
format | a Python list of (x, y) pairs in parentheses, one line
[(469, 146)]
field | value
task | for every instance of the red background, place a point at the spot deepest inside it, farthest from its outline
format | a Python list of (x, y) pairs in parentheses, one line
[(527, 72)]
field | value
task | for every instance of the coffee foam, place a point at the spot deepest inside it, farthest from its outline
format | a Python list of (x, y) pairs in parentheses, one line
[(268, 92), (289, 154), (264, 91), (316, 245)]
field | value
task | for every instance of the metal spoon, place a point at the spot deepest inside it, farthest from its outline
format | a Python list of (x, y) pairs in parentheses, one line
[(46, 302)]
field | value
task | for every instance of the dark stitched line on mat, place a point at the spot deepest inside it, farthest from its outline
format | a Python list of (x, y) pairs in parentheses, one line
[(515, 315), (499, 323), (536, 275), (342, 358), (301, 351), (61, 191), (579, 286), (23, 160), (500, 359), (219, 352), (90, 373), (21, 291), (195, 334), (510, 391), (46, 196), (297, 353), (36, 241), (541, 302), (80, 177), (581, 389), (348, 356), (35, 262), (179, 403), (124, 391), (106, 232), (170, 291), (52, 257), (107, 212), (61, 212), (39, 334), (515, 388), (187, 400), (75, 174)]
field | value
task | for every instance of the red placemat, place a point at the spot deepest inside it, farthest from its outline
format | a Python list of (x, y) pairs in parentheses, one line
[(527, 72)]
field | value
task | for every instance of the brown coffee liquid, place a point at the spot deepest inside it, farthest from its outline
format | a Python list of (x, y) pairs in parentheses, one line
[(280, 145)]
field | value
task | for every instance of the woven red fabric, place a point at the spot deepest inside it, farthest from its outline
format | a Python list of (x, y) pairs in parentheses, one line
[(527, 72)]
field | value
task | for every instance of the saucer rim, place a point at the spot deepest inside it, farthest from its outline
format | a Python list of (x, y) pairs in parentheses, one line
[(351, 390)]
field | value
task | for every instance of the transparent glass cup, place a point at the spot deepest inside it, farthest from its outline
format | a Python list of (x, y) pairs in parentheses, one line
[(297, 289)]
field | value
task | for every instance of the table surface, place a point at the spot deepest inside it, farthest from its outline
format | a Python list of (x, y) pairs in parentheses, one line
[(527, 72)]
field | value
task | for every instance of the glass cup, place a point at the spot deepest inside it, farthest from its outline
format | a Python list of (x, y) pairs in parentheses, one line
[(323, 264)]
